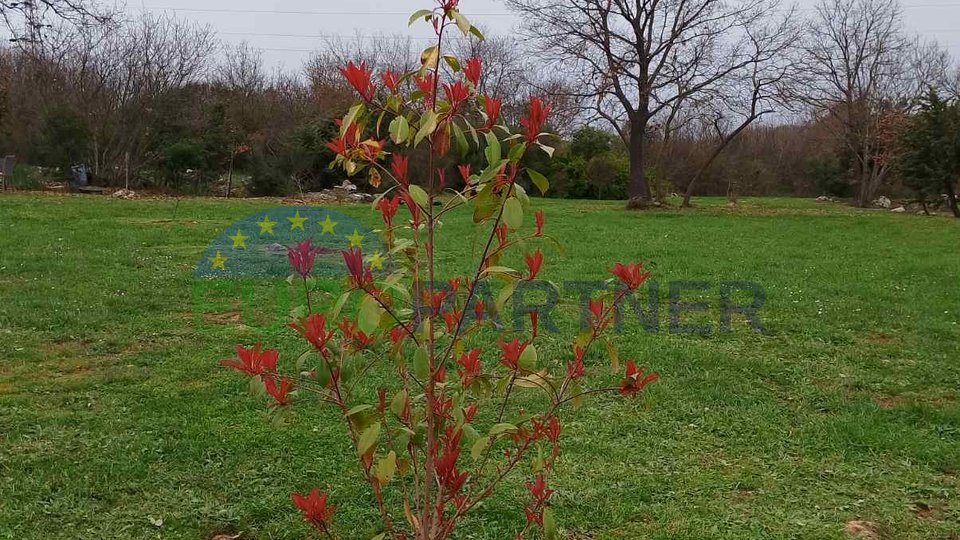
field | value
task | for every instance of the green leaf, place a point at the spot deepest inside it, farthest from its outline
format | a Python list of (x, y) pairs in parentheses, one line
[(513, 213), (492, 151), (419, 14), (576, 395), (460, 140), (478, 447), (430, 58), (491, 171), (614, 356), (421, 364), (369, 317), (358, 409), (419, 196), (477, 33), (462, 23), (350, 117), (502, 428), (504, 296), (399, 130), (452, 62), (335, 311), (516, 151), (428, 124), (368, 439), (506, 270), (528, 358), (549, 524), (386, 468), (548, 149), (398, 403), (484, 206), (539, 180)]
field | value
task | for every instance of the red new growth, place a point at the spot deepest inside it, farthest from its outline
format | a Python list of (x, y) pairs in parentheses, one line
[(398, 166), (472, 71), (631, 275), (426, 85), (315, 508), (253, 362), (390, 80), (491, 107), (359, 276), (575, 368), (359, 78), (388, 209), (534, 261), (279, 394), (635, 380), (536, 117), (302, 257), (511, 352), (469, 367), (539, 219), (313, 328), (464, 172), (456, 94)]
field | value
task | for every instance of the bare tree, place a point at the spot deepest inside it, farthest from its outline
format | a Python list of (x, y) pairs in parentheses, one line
[(634, 61), (749, 94), (861, 70), (28, 20)]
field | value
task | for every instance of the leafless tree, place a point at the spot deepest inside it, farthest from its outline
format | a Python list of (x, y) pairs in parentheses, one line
[(27, 21), (748, 94), (634, 61), (862, 70)]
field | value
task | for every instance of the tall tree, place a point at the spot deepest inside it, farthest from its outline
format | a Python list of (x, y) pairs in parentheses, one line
[(638, 60), (862, 70), (929, 158)]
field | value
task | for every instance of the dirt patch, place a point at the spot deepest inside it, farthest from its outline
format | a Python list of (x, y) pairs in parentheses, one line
[(6, 388), (862, 530), (925, 511), (878, 338), (225, 317), (889, 402)]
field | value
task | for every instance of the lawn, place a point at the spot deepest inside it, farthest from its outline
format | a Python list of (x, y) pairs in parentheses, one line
[(117, 422)]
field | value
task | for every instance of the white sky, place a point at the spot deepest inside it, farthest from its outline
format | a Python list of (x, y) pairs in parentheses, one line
[(287, 30)]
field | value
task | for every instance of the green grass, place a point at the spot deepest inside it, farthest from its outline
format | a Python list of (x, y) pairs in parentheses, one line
[(114, 414)]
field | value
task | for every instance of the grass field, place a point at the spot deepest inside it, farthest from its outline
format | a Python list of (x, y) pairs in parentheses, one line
[(116, 422)]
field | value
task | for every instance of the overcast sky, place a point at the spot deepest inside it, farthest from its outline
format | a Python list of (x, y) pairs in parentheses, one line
[(287, 30)]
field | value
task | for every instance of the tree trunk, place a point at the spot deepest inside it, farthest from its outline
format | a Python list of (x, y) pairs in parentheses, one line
[(639, 187), (952, 199)]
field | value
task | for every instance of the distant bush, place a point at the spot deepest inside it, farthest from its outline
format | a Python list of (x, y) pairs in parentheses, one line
[(829, 176)]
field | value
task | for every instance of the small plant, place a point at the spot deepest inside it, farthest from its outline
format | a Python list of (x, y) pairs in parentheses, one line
[(445, 428)]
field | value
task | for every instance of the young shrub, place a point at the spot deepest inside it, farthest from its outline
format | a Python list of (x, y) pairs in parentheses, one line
[(446, 428)]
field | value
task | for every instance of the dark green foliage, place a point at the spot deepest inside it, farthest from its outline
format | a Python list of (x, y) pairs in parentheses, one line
[(830, 176), (593, 165), (929, 160), (63, 140)]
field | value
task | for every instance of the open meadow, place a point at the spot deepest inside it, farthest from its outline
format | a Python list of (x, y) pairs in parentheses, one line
[(117, 422)]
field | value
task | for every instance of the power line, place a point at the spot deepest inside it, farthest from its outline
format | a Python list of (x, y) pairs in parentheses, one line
[(404, 13), (304, 12), (327, 36)]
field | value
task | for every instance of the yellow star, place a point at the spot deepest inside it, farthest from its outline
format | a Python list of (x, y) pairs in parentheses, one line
[(239, 241), (218, 262), (296, 222), (356, 239), (328, 225), (375, 260), (266, 226)]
